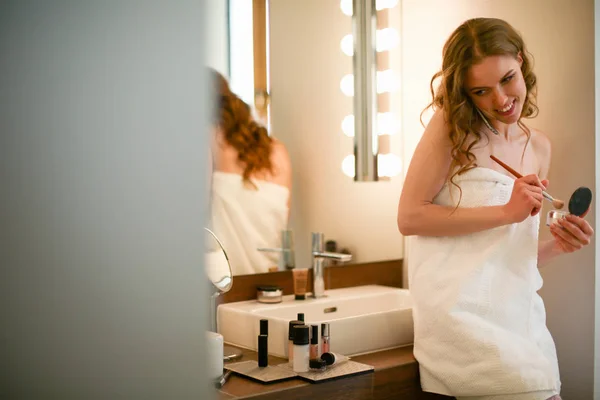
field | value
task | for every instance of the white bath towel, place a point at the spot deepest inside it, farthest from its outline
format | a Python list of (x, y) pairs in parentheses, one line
[(480, 325), (244, 219)]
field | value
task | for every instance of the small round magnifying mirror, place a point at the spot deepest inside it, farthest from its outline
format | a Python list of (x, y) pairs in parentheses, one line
[(218, 271), (217, 264)]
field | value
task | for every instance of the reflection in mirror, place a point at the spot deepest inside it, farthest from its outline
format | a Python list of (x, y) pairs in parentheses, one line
[(251, 184)]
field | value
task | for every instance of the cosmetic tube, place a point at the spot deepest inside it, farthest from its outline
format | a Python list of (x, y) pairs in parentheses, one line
[(301, 353), (333, 358), (300, 277)]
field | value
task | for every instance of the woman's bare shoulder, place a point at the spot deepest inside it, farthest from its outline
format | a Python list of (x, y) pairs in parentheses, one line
[(542, 148)]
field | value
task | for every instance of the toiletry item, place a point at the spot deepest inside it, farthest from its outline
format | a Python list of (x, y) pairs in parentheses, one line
[(580, 201), (263, 339), (222, 380), (554, 215), (214, 354), (314, 342), (317, 364), (300, 282), (291, 340), (333, 358), (325, 340), (301, 316), (269, 294), (579, 204), (301, 351)]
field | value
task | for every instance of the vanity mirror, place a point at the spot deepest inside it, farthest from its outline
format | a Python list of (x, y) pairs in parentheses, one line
[(294, 62)]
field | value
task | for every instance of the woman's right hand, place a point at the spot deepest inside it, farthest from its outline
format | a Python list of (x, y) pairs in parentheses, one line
[(526, 198)]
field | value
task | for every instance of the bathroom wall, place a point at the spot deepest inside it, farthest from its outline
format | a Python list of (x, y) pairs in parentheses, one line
[(306, 66), (560, 34)]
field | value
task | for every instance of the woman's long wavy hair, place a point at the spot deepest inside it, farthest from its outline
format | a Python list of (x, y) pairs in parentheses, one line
[(251, 140), (469, 44)]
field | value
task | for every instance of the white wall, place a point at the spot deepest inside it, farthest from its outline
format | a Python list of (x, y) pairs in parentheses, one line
[(307, 110), (560, 34)]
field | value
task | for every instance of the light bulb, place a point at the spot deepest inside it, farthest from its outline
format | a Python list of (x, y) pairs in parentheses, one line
[(348, 167), (381, 4), (386, 81), (347, 85), (388, 165), (386, 124), (347, 45), (348, 125), (346, 6), (386, 39)]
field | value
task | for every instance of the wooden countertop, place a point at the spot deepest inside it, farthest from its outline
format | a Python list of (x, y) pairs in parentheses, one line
[(396, 376)]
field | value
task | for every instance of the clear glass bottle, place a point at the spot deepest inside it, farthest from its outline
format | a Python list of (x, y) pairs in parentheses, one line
[(325, 340)]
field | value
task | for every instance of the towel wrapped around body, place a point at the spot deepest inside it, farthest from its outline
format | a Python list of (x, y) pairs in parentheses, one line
[(480, 325), (246, 218)]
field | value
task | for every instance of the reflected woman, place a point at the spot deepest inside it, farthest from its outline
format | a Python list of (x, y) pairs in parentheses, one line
[(251, 184)]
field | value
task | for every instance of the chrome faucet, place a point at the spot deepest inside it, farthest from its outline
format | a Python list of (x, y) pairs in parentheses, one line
[(288, 257), (319, 255)]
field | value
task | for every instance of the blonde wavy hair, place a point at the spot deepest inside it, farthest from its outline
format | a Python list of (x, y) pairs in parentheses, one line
[(468, 45)]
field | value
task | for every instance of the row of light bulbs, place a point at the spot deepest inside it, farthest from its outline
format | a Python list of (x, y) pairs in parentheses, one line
[(389, 164)]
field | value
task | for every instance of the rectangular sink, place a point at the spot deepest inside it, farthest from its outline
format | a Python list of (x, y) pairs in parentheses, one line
[(362, 319)]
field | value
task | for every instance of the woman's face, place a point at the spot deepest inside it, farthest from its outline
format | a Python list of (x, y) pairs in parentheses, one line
[(497, 87)]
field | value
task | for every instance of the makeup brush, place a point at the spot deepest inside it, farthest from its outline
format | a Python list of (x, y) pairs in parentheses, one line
[(555, 202)]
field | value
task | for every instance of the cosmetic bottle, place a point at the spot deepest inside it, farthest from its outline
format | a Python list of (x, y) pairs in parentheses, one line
[(314, 342), (263, 338), (300, 277), (333, 358), (301, 352), (301, 317), (325, 340), (291, 339)]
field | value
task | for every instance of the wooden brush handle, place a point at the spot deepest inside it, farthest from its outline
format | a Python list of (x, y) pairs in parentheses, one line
[(506, 167)]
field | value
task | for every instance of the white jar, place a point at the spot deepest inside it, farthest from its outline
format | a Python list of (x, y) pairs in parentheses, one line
[(301, 348)]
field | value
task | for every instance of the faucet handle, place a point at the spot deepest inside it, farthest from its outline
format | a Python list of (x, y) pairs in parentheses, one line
[(332, 256)]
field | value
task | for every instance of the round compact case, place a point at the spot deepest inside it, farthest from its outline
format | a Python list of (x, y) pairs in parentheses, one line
[(579, 203), (269, 294)]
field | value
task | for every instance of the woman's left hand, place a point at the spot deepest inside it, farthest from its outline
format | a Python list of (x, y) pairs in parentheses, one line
[(571, 233)]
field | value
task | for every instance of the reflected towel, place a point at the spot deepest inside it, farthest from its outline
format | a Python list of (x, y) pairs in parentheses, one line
[(244, 219)]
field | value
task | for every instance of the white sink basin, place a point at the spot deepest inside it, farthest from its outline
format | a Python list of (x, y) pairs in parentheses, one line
[(362, 319)]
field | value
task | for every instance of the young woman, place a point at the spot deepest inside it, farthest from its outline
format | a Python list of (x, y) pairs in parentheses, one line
[(480, 326), (251, 184)]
